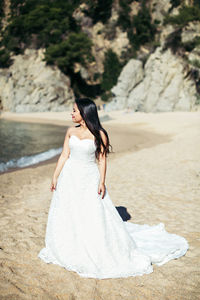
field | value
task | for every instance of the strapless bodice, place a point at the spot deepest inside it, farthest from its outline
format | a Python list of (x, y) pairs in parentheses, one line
[(82, 150)]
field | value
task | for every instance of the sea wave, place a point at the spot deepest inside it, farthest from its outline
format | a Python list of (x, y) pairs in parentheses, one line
[(29, 160)]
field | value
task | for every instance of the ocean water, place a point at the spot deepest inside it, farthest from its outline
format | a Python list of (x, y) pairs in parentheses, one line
[(24, 144)]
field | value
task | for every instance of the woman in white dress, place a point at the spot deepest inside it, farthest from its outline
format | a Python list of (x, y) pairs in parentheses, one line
[(84, 231)]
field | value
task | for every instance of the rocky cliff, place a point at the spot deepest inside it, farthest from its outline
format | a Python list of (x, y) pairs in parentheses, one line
[(162, 85), (160, 66), (169, 79), (29, 85)]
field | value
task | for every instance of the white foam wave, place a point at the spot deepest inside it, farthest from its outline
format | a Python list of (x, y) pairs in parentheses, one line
[(29, 160)]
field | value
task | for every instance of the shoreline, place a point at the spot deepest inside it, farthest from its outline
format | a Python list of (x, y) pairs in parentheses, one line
[(142, 137), (41, 163)]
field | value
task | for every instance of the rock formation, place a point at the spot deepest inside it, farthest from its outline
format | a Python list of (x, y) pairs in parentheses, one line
[(30, 85), (161, 86)]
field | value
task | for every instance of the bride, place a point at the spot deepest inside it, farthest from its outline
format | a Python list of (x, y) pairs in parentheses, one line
[(84, 231)]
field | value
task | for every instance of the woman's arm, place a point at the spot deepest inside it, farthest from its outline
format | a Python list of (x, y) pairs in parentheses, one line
[(62, 159), (102, 167)]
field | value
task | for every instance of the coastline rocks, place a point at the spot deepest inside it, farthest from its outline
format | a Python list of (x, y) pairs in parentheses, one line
[(164, 86), (130, 76), (29, 85)]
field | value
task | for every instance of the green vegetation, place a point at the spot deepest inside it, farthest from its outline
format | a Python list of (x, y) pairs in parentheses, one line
[(99, 10), (175, 3), (112, 69), (173, 41), (50, 24), (186, 14), (124, 20), (1, 8), (47, 24), (5, 60), (189, 46), (195, 63), (196, 3), (75, 49), (41, 22), (140, 28), (143, 29), (1, 11)]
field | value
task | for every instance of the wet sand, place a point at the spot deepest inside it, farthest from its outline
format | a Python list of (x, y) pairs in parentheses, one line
[(154, 173)]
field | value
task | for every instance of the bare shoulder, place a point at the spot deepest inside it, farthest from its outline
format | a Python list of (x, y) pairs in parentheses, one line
[(70, 130)]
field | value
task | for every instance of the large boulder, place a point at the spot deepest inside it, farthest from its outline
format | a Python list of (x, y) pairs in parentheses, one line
[(161, 86), (30, 85), (130, 76)]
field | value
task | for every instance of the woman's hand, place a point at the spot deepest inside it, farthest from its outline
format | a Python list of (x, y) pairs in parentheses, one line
[(102, 189), (53, 184)]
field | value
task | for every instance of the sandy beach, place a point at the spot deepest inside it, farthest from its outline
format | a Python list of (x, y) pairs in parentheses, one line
[(154, 173)]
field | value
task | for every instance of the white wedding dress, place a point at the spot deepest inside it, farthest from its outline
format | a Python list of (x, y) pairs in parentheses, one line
[(86, 234)]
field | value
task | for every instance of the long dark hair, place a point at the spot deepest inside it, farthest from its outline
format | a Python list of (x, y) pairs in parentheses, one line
[(88, 111)]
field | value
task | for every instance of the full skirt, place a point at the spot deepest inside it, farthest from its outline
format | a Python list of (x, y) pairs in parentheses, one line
[(86, 234)]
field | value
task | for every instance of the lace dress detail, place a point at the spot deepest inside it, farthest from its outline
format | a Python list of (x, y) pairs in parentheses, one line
[(85, 233)]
